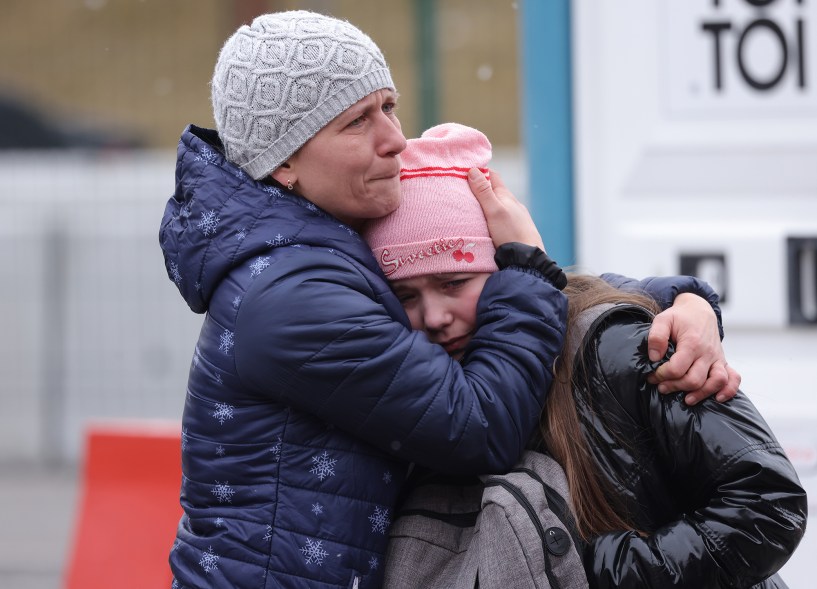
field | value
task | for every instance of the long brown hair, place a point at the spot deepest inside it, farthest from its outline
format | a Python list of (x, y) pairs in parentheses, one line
[(594, 503)]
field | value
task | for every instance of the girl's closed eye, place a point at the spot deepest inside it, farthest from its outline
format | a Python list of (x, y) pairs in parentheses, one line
[(456, 284), (405, 297)]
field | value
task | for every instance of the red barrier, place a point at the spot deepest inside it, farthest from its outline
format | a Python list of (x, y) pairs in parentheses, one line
[(129, 506)]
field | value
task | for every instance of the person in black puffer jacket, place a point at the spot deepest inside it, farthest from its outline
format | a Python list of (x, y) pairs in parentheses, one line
[(666, 495)]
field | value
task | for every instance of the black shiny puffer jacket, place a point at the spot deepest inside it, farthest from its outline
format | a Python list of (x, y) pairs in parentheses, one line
[(720, 503)]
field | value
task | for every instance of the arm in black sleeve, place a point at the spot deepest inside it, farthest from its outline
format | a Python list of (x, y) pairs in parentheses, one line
[(664, 289)]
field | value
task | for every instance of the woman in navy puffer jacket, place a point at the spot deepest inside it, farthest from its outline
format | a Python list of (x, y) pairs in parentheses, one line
[(306, 373), (308, 394)]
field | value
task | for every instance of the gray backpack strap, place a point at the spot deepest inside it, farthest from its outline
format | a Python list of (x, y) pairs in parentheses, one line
[(525, 534)]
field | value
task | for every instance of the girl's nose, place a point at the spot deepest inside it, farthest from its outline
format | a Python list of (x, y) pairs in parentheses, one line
[(436, 317)]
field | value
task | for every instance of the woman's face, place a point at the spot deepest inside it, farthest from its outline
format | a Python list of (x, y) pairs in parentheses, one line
[(351, 167), (444, 306)]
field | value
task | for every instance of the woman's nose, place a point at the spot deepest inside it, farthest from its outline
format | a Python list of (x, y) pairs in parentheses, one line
[(392, 140)]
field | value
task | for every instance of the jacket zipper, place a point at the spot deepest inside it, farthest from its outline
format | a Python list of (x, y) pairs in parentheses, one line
[(523, 501)]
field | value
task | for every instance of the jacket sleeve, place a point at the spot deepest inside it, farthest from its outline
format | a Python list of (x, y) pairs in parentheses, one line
[(741, 508), (319, 340), (664, 289)]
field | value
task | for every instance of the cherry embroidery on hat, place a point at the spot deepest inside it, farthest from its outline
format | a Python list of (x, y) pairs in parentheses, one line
[(461, 254)]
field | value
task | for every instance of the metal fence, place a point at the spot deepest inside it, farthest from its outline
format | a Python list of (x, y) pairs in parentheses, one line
[(93, 327)]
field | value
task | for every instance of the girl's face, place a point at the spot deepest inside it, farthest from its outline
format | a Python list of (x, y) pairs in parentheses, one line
[(351, 167), (444, 306)]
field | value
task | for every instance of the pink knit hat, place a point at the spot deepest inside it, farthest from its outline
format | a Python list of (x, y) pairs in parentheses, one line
[(439, 226)]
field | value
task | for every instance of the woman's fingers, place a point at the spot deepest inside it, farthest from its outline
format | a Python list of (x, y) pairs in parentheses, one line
[(508, 219)]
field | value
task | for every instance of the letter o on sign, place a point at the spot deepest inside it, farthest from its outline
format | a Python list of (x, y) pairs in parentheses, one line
[(772, 26)]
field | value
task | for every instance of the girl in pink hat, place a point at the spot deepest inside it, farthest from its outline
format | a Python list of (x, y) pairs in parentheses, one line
[(664, 493)]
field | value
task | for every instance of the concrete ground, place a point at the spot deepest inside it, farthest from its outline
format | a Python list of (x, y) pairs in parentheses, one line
[(37, 506)]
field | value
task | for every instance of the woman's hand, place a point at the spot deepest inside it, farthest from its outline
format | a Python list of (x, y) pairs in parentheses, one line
[(698, 365), (508, 219)]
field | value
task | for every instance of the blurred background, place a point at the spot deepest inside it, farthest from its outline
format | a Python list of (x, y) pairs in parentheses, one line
[(647, 137)]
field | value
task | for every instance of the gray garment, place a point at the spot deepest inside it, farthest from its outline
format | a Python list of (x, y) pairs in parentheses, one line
[(513, 530)]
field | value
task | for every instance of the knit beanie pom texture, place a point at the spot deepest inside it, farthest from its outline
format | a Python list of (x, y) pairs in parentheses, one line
[(439, 226), (281, 79)]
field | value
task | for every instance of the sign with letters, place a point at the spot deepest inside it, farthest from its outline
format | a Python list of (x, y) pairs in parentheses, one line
[(745, 57)]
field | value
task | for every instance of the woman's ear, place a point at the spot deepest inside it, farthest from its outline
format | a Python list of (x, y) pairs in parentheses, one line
[(283, 174)]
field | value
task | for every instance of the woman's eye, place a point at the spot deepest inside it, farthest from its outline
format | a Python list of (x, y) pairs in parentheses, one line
[(357, 122), (389, 107)]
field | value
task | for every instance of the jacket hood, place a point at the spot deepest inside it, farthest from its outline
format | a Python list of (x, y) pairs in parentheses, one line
[(219, 218)]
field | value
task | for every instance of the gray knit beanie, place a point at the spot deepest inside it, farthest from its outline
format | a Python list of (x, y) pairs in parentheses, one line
[(283, 78)]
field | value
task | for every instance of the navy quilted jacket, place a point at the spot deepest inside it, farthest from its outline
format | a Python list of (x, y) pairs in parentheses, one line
[(308, 394)]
